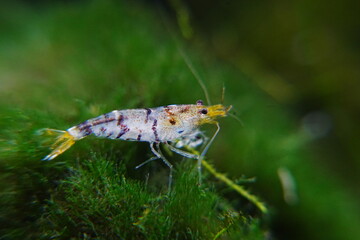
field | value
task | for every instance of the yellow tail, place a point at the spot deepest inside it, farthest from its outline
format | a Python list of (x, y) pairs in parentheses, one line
[(64, 140)]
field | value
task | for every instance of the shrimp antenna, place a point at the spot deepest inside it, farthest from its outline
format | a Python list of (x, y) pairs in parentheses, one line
[(223, 94), (196, 74), (186, 59), (228, 113), (236, 118)]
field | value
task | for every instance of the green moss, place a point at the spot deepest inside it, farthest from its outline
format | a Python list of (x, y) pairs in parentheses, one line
[(99, 202)]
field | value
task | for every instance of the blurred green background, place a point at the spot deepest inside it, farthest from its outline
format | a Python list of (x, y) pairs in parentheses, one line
[(291, 71), (304, 54)]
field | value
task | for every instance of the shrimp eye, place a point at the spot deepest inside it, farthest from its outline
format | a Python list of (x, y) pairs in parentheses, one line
[(204, 111)]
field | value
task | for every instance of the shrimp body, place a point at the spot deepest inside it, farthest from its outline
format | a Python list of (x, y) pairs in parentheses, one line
[(153, 125), (159, 124)]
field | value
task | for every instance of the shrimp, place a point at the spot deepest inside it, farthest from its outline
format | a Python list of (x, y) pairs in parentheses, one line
[(165, 124)]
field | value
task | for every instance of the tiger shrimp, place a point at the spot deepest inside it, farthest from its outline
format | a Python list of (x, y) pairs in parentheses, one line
[(165, 124)]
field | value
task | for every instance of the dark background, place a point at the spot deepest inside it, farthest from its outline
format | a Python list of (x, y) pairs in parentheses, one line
[(305, 54)]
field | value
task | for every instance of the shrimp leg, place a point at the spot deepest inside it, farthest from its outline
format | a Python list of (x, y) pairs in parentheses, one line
[(182, 153), (158, 154), (206, 149)]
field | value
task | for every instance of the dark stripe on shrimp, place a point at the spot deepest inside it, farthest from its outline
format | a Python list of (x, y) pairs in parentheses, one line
[(148, 112), (138, 137), (120, 120), (88, 131), (155, 131), (85, 127), (106, 119), (123, 131)]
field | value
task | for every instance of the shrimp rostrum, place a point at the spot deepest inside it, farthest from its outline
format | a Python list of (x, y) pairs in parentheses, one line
[(164, 124)]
